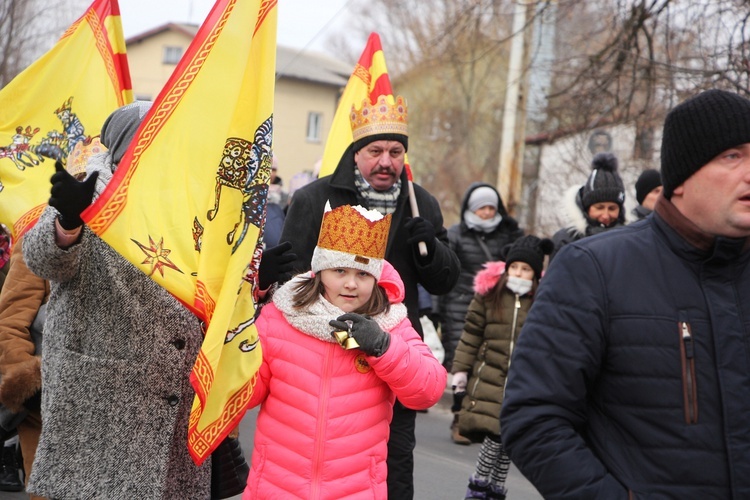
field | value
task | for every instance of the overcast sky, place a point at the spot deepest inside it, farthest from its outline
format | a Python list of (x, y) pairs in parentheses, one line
[(302, 23)]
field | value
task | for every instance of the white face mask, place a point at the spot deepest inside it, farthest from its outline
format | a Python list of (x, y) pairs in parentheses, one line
[(519, 285)]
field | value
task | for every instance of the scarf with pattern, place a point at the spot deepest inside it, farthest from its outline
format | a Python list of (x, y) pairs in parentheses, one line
[(383, 201)]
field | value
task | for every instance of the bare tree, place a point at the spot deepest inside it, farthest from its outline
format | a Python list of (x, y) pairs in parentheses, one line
[(448, 57), (617, 62), (28, 28), (634, 61), (629, 61)]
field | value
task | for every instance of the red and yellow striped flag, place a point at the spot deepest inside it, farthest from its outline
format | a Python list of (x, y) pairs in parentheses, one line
[(58, 102), (187, 202), (369, 80)]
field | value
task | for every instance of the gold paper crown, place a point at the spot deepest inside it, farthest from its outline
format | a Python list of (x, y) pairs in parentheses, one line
[(379, 118), (79, 157), (345, 229)]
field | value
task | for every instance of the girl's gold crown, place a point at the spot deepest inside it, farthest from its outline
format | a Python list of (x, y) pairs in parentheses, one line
[(351, 236)]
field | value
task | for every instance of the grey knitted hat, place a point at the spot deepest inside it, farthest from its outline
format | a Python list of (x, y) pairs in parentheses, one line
[(698, 130), (481, 197), (604, 183), (119, 128)]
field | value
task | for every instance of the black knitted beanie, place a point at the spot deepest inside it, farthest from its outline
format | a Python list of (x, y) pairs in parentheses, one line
[(649, 180), (404, 140), (531, 250), (604, 183), (698, 130)]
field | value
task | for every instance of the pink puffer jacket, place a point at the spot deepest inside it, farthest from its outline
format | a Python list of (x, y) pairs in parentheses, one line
[(323, 426)]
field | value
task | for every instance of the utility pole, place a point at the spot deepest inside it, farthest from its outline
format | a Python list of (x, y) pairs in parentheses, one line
[(509, 173), (540, 80)]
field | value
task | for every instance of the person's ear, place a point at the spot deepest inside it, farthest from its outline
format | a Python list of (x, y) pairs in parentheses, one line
[(679, 190)]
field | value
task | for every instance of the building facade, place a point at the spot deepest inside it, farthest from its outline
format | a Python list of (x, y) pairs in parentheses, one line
[(308, 87)]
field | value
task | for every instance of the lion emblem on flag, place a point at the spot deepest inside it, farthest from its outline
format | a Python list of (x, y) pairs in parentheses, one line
[(245, 166)]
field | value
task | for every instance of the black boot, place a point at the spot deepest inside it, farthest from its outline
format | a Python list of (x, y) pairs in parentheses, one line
[(10, 479), (477, 489), (496, 492)]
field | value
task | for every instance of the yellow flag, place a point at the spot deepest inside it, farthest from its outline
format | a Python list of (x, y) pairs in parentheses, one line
[(58, 102), (369, 80), (187, 202)]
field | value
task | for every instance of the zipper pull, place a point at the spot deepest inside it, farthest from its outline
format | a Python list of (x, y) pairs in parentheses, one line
[(687, 339), (518, 302)]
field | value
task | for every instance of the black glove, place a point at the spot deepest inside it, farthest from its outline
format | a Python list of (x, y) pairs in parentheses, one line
[(34, 403), (275, 265), (421, 230), (458, 398), (70, 197), (371, 339)]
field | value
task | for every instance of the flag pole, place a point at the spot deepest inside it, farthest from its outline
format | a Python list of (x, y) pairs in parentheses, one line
[(413, 203), (415, 212)]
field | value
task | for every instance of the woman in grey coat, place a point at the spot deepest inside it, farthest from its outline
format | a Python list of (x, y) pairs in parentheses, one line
[(118, 352)]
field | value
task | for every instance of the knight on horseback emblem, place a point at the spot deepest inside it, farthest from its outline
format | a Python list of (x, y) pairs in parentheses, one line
[(55, 144)]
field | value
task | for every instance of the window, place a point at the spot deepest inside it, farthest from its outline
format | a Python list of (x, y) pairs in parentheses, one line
[(314, 121), (172, 55)]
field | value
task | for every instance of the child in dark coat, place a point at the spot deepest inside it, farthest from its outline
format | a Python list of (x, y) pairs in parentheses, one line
[(504, 293)]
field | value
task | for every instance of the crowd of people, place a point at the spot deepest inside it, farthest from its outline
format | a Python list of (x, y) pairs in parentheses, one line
[(608, 361), (630, 377)]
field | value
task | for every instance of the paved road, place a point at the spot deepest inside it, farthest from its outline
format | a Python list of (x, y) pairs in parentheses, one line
[(441, 467)]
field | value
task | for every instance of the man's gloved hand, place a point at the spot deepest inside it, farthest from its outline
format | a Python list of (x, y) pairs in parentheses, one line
[(275, 265), (421, 230), (371, 339), (459, 381), (70, 197)]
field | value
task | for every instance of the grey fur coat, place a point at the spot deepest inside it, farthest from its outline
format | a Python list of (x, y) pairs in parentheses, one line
[(118, 351)]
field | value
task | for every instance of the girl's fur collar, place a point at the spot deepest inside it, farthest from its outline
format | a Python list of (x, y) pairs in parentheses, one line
[(486, 279)]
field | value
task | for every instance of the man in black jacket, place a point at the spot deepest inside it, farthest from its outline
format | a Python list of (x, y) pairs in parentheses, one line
[(371, 174), (631, 377)]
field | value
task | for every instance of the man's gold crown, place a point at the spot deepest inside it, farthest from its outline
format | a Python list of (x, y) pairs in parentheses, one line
[(379, 118), (346, 230)]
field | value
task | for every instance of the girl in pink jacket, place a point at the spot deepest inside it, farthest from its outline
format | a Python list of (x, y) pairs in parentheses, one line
[(326, 399)]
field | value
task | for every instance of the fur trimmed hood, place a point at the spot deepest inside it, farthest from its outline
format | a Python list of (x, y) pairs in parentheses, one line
[(575, 219), (486, 279), (576, 222)]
